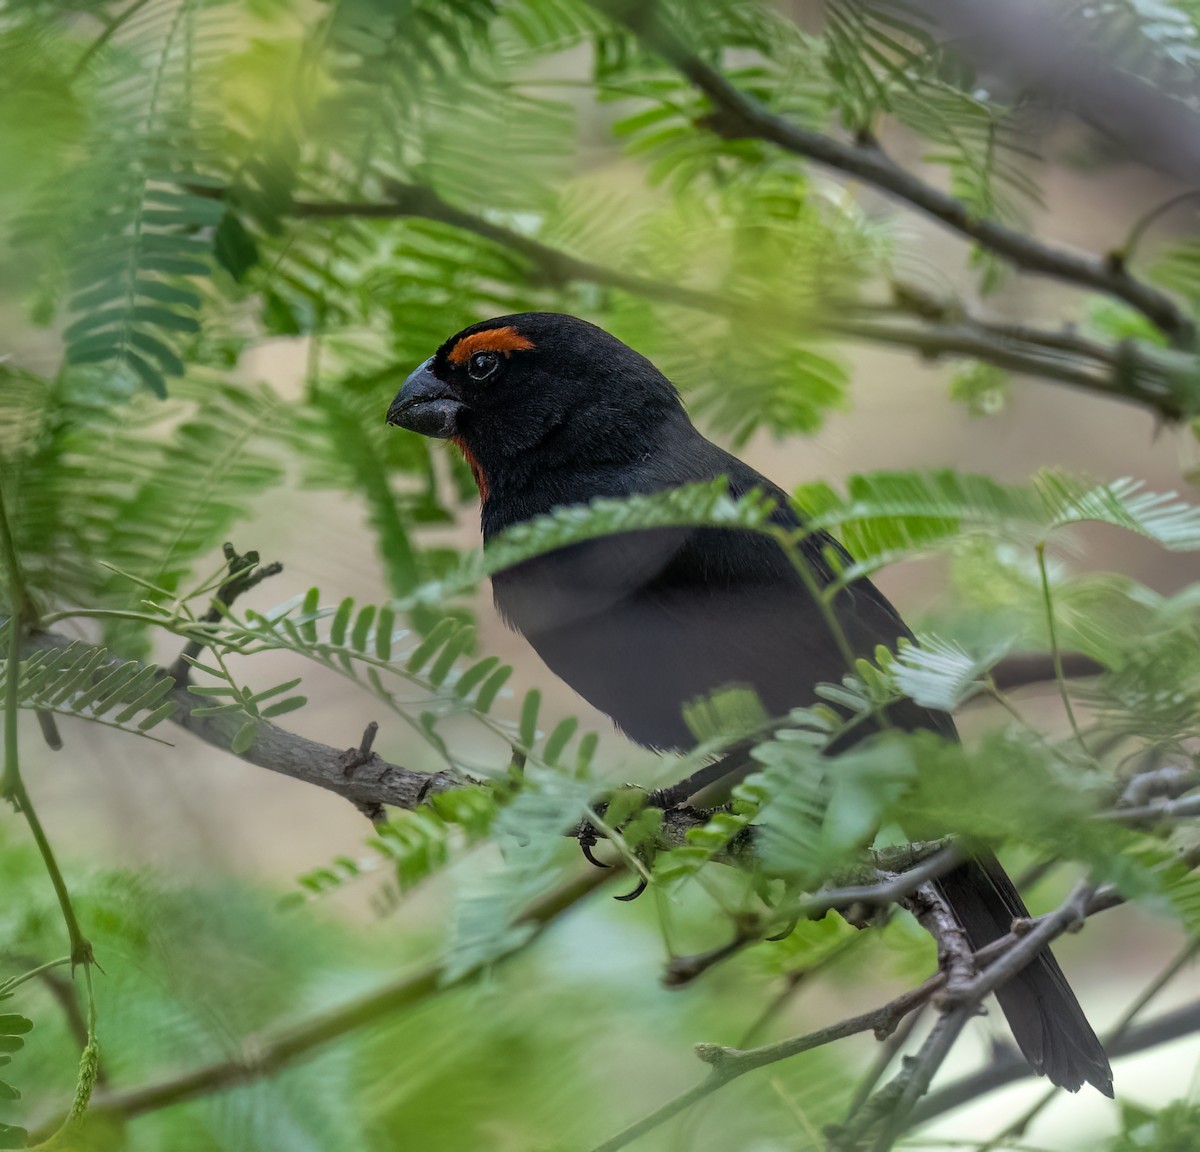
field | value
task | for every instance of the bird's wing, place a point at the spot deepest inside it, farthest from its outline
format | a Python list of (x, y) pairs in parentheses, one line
[(641, 623)]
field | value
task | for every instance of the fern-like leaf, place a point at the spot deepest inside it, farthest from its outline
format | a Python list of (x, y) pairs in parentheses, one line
[(85, 682)]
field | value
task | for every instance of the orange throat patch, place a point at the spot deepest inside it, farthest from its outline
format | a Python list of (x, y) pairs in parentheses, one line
[(472, 463), (504, 340)]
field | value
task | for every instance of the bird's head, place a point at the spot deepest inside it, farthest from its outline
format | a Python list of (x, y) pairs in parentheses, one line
[(535, 390)]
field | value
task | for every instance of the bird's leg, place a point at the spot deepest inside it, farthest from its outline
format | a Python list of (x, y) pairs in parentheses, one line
[(733, 764)]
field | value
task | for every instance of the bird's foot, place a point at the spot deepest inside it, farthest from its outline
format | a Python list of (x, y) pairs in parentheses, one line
[(622, 807)]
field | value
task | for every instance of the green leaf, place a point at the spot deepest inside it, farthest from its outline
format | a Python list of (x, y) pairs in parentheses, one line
[(936, 673), (283, 707), (278, 690), (11, 1137), (528, 730), (423, 653), (362, 628), (558, 740), (384, 628), (244, 739), (341, 621), (486, 696)]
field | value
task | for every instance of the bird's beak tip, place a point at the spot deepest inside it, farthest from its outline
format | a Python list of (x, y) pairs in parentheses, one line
[(426, 405)]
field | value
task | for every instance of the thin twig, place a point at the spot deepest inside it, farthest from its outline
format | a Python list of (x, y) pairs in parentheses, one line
[(1129, 248), (244, 572), (1156, 811), (1055, 652), (729, 1063), (888, 1052), (1127, 372), (891, 1107), (12, 789), (1000, 961), (886, 1109)]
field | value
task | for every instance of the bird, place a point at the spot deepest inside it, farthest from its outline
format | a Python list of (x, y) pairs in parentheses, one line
[(550, 410)]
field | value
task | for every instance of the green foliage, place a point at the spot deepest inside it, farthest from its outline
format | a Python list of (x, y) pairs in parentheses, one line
[(530, 831), (13, 1030), (81, 681), (888, 515), (937, 674), (414, 844), (815, 817), (875, 53), (983, 388), (188, 185), (1175, 1128)]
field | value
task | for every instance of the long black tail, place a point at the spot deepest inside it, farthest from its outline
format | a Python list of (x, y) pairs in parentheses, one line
[(1046, 1020)]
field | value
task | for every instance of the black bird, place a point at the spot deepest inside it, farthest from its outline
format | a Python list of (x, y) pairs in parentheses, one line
[(550, 410)]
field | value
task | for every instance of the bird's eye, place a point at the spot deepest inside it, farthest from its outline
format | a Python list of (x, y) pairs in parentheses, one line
[(482, 364)]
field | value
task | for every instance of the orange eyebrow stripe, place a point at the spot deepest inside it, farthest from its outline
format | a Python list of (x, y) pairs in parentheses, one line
[(505, 340)]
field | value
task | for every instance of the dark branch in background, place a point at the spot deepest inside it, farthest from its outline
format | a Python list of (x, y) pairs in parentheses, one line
[(738, 116), (1150, 377), (1020, 1125), (1010, 1066), (554, 268), (1031, 50), (1025, 668)]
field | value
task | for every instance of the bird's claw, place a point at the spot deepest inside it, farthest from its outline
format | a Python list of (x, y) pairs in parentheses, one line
[(786, 931), (585, 846), (588, 837)]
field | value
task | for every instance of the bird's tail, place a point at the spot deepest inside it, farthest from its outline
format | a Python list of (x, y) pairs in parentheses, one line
[(1046, 1019)]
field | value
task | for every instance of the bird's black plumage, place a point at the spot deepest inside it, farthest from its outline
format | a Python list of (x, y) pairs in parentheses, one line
[(551, 410)]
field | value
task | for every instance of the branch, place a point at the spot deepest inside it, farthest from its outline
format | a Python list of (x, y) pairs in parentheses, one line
[(923, 862), (371, 781), (1000, 961), (888, 1107), (554, 267), (729, 1063), (245, 572), (1129, 371), (960, 1001), (1022, 669), (263, 1054), (738, 116), (1156, 811)]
